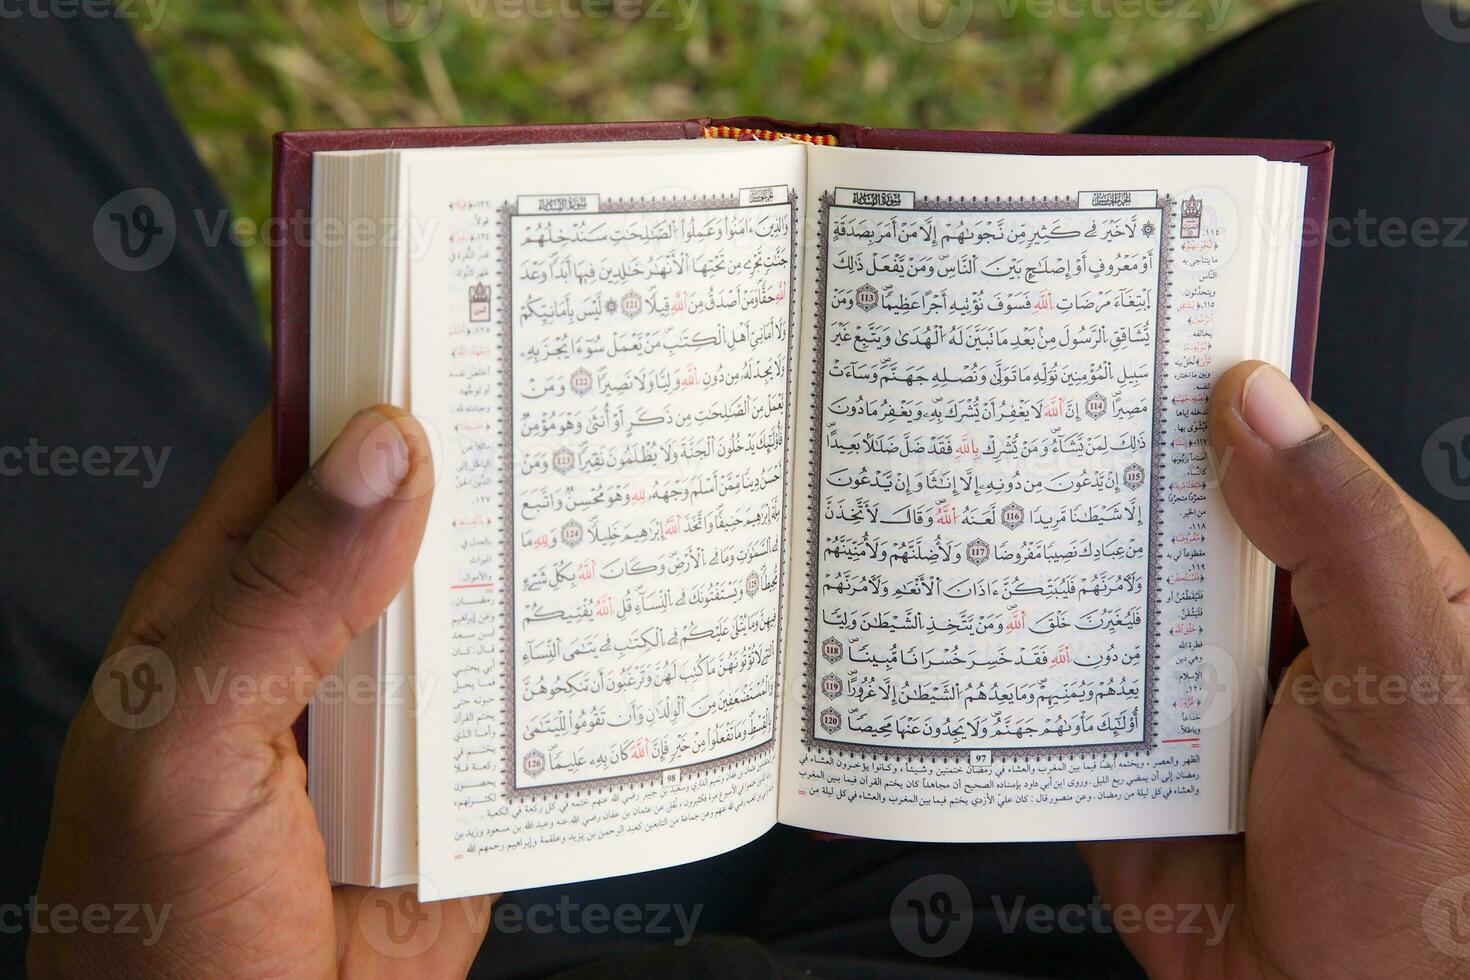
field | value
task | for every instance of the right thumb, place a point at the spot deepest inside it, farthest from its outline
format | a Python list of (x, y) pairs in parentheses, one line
[(1360, 577)]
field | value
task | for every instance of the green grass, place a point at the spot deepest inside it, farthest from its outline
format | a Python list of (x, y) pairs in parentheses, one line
[(238, 70)]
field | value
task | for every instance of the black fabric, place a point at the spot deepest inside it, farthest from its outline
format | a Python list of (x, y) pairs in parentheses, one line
[(171, 357)]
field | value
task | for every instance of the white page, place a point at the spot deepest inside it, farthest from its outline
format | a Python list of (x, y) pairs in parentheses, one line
[(1011, 487), (597, 603)]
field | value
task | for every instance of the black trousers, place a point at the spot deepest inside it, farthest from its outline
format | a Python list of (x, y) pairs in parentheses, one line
[(104, 347)]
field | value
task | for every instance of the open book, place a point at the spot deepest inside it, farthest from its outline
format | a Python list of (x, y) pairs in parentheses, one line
[(864, 490)]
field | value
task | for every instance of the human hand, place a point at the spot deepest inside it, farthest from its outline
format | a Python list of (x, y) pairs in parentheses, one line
[(195, 805), (1356, 856)]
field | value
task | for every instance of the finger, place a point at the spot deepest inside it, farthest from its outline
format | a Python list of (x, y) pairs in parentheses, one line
[(238, 498), (429, 939), (319, 570), (1301, 670), (1361, 578), (1447, 556), (1205, 873)]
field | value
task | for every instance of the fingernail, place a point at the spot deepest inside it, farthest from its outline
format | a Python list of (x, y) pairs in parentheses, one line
[(1273, 407), (367, 462)]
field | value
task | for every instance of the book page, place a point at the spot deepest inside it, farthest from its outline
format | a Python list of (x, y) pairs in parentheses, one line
[(1016, 585), (602, 339)]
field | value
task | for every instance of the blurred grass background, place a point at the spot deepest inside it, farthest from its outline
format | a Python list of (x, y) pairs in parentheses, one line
[(238, 70)]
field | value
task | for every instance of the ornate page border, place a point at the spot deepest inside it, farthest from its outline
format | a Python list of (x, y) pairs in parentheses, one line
[(809, 737), (707, 202)]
